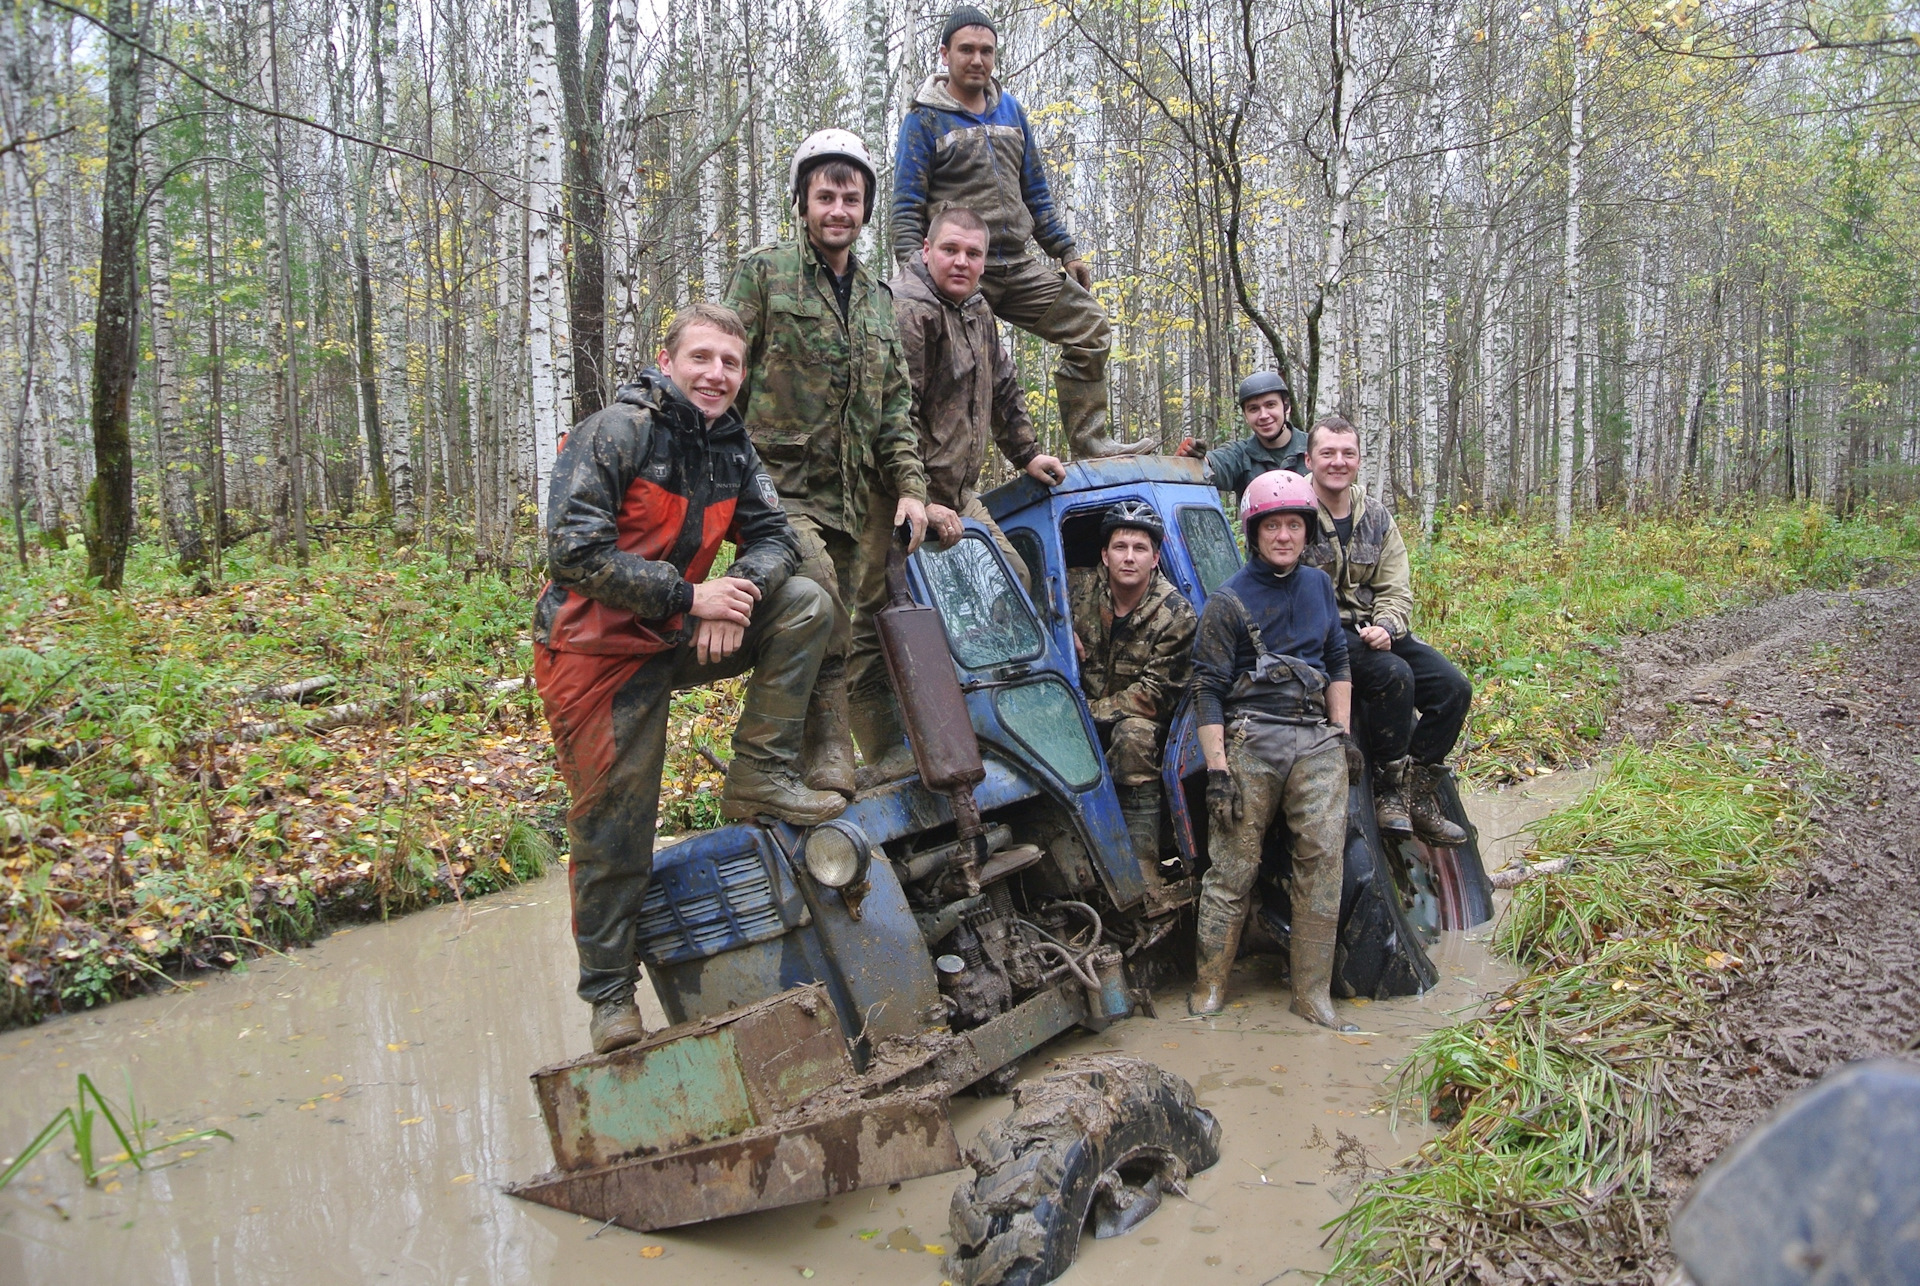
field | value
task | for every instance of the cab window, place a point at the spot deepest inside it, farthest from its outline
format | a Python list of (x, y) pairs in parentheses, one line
[(1210, 544), (987, 619)]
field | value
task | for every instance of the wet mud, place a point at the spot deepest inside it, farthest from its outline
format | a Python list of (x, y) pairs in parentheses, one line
[(376, 1088), (1835, 973)]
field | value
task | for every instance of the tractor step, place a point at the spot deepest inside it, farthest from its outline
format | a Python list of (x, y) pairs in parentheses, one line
[(749, 1110)]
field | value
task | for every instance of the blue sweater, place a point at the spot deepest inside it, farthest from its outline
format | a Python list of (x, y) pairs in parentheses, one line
[(1296, 614)]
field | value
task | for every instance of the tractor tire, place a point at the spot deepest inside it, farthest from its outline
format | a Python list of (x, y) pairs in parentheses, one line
[(1101, 1138)]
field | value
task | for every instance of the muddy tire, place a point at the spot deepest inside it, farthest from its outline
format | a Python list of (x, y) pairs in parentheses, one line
[(1101, 1138)]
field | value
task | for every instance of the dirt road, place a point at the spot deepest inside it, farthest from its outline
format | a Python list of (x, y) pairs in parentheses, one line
[(1837, 973), (376, 1089)]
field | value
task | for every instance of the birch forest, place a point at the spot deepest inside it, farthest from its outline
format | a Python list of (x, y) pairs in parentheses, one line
[(272, 268)]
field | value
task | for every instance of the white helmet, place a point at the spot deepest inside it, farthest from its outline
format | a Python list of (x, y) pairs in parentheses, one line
[(831, 144)]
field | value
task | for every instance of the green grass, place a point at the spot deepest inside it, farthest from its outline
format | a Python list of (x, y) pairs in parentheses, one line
[(1538, 625), (1550, 1104)]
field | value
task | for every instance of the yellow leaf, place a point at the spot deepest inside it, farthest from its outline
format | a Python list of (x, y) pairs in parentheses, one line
[(413, 1120), (463, 1178), (112, 1187), (652, 1252)]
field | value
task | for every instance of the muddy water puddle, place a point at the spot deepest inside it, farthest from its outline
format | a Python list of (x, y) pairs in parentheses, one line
[(376, 1088)]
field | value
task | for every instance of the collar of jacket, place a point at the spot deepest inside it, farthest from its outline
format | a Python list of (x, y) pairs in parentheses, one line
[(812, 265), (659, 394), (919, 285), (1263, 570), (1359, 507), (1157, 590), (934, 93)]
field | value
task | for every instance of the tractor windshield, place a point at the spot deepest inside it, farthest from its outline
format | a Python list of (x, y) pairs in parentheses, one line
[(988, 621), (1210, 544)]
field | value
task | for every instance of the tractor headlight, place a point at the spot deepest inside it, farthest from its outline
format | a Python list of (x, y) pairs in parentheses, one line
[(836, 854)]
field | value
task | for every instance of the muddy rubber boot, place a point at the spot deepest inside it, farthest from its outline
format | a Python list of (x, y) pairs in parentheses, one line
[(1423, 808), (1140, 805), (875, 718), (616, 1024), (1083, 414), (1312, 972), (826, 755), (1218, 943), (1390, 797), (764, 780)]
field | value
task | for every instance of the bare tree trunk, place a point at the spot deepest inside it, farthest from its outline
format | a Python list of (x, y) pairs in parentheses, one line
[(583, 85), (115, 352), (1434, 312), (290, 352), (544, 301), (1570, 294)]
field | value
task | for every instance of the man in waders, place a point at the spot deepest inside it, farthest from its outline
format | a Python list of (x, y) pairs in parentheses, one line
[(1415, 700), (1134, 635), (1271, 693), (643, 493), (828, 406)]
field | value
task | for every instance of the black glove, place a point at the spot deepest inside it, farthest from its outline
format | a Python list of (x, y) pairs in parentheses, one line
[(1223, 796), (1356, 761)]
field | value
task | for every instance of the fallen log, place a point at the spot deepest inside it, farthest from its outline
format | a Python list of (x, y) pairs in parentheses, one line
[(1513, 876), (357, 712), (299, 690)]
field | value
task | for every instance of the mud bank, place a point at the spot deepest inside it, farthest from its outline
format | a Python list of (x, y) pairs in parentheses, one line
[(376, 1088)]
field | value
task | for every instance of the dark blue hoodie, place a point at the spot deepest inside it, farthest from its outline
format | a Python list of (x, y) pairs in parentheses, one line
[(1296, 614)]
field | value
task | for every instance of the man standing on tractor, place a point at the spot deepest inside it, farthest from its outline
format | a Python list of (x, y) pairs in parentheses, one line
[(1414, 699), (643, 493), (1266, 403), (1134, 634), (964, 386), (967, 142), (1271, 694), (827, 403)]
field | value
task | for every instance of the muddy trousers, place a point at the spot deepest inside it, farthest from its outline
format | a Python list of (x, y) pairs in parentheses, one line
[(853, 572), (1312, 795), (1416, 700), (1133, 749), (609, 721)]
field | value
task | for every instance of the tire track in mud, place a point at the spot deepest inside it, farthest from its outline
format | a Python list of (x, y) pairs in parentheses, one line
[(1835, 973)]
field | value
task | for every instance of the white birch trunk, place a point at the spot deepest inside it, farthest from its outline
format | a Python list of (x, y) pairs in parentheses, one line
[(1341, 91), (1568, 389), (546, 271), (1434, 307)]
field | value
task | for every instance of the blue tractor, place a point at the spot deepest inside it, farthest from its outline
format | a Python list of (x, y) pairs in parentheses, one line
[(831, 989)]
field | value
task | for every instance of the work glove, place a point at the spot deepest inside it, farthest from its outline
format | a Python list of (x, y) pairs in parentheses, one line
[(1223, 797), (1356, 761)]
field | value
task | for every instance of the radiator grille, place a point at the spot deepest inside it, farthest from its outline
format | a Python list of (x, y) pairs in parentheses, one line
[(708, 905)]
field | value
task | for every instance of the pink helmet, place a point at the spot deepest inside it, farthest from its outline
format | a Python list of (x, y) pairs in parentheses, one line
[(1279, 491)]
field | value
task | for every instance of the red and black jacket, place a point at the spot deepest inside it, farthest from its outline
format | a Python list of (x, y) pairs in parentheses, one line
[(643, 493)]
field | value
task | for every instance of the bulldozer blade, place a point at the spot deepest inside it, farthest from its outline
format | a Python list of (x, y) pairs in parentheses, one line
[(822, 1150)]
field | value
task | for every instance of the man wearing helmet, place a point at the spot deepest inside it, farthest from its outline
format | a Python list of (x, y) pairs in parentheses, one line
[(827, 403), (1271, 695), (967, 142), (1271, 443), (1416, 700), (1134, 635)]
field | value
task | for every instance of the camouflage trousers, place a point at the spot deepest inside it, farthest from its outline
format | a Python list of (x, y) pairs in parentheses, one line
[(853, 571), (1133, 750), (971, 506), (1311, 792), (1041, 299)]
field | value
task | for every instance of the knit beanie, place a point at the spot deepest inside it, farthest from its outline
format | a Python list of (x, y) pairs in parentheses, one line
[(965, 16)]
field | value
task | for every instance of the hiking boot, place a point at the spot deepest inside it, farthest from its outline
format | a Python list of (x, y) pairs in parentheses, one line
[(1429, 823), (1312, 974), (826, 754), (1140, 805), (875, 718), (773, 789), (1083, 414), (616, 1024), (1390, 797)]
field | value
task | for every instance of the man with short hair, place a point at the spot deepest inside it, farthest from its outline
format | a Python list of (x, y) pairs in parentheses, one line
[(1271, 696), (1133, 632), (964, 385), (967, 142), (643, 493), (827, 402), (1271, 442), (1415, 699)]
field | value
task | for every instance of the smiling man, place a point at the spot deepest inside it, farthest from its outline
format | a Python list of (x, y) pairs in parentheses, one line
[(967, 142), (1415, 699), (643, 493), (1133, 632), (1272, 697), (828, 405), (1271, 442)]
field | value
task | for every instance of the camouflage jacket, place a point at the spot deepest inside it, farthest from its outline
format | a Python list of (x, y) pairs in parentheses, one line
[(1371, 574), (962, 382), (1232, 466), (643, 492), (826, 397), (1135, 664)]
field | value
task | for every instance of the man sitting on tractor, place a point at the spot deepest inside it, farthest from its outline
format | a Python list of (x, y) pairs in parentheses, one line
[(1271, 442), (1134, 635), (1415, 700), (643, 493), (1271, 695)]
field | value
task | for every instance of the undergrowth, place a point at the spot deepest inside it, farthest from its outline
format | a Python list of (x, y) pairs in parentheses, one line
[(1551, 1102), (1538, 625)]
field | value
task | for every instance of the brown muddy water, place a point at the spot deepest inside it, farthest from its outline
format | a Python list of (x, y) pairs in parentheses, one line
[(376, 1088)]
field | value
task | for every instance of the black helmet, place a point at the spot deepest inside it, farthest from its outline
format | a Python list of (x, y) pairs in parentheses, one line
[(1261, 383), (1136, 514)]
